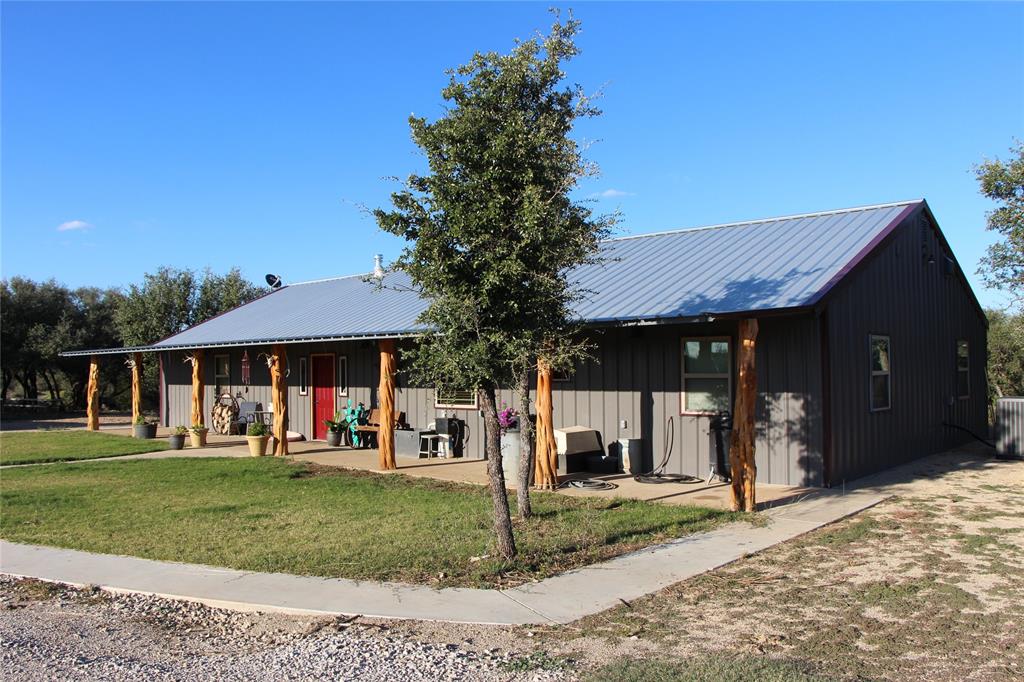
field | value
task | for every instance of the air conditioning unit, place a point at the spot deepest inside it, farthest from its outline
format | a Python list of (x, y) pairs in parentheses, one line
[(1010, 428)]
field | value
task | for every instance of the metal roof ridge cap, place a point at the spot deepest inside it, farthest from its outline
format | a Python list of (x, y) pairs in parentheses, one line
[(330, 279), (742, 223)]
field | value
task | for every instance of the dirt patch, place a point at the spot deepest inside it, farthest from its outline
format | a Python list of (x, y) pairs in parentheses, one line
[(926, 586)]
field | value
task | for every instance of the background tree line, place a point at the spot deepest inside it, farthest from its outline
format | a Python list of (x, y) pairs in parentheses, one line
[(1002, 268), (38, 320)]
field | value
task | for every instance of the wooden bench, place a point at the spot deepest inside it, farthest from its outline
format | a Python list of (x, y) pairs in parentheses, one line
[(372, 425)]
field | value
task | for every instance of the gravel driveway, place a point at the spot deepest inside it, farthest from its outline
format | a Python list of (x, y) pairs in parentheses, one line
[(51, 632)]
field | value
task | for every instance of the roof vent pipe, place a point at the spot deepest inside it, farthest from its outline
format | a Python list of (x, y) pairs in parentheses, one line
[(378, 266)]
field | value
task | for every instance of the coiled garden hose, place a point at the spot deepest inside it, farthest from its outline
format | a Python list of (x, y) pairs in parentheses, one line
[(659, 475)]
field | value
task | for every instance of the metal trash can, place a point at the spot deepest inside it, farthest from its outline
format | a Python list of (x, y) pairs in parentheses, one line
[(632, 452), (719, 432)]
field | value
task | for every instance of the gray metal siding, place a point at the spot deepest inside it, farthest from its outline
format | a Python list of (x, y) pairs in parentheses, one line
[(635, 378), (923, 311)]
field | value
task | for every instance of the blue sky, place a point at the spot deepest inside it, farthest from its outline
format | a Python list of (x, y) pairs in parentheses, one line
[(189, 134)]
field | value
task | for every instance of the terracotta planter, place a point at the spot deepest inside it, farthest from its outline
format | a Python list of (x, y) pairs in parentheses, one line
[(257, 445), (144, 431), (177, 441), (334, 438), (198, 438)]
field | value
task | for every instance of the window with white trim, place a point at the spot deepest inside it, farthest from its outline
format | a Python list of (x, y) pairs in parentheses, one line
[(303, 376), (963, 369), (455, 398), (342, 375), (707, 375), (221, 375), (881, 373)]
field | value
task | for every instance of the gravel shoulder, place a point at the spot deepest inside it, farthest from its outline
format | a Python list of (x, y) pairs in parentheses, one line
[(52, 632)]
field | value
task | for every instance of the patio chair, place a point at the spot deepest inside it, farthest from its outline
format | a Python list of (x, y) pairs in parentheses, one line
[(246, 415)]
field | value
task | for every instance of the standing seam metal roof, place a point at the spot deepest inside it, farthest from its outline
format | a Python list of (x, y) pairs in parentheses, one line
[(738, 267)]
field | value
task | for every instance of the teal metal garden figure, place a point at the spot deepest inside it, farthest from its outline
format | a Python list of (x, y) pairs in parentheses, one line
[(355, 416)]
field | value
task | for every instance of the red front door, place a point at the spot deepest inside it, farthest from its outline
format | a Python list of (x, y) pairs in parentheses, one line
[(323, 393)]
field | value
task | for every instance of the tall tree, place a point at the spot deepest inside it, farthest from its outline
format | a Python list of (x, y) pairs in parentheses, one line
[(1005, 354), (1003, 182), (170, 300), (492, 230)]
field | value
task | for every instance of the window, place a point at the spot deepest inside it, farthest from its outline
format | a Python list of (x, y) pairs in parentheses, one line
[(707, 375), (342, 375), (963, 370), (303, 377), (221, 374), (881, 373), (459, 398)]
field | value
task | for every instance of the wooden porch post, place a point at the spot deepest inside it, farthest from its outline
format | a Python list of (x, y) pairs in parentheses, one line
[(546, 465), (198, 389), (386, 402), (136, 386), (92, 395), (279, 394), (741, 448)]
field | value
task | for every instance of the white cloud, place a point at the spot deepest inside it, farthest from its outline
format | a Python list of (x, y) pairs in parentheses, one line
[(73, 225), (611, 194)]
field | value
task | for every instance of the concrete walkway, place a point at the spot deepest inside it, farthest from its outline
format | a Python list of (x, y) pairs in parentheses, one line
[(560, 599)]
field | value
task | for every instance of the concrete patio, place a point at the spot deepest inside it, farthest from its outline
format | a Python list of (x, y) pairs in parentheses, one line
[(474, 471)]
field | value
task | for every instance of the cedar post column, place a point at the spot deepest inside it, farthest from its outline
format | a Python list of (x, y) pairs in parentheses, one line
[(546, 465), (136, 386), (198, 389), (741, 447), (92, 396), (386, 403), (279, 394)]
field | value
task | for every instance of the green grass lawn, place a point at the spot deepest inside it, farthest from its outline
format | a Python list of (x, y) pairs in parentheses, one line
[(272, 515), (32, 447)]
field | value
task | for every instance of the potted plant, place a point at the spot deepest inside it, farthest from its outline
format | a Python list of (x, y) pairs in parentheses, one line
[(197, 434), (143, 428), (257, 436), (177, 438), (336, 429)]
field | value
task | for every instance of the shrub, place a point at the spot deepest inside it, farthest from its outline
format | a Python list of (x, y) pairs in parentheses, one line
[(257, 429)]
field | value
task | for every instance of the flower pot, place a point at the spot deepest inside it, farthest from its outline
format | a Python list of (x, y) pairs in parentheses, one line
[(177, 441), (334, 438), (257, 445), (198, 438), (511, 450), (144, 430)]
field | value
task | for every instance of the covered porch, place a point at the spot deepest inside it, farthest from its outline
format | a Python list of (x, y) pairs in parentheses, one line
[(474, 471)]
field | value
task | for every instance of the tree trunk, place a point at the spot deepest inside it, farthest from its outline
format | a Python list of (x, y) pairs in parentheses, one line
[(53, 388), (198, 389), (27, 379), (8, 379), (496, 476), (546, 470), (741, 447), (92, 396), (524, 508), (279, 393), (386, 404), (136, 386)]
